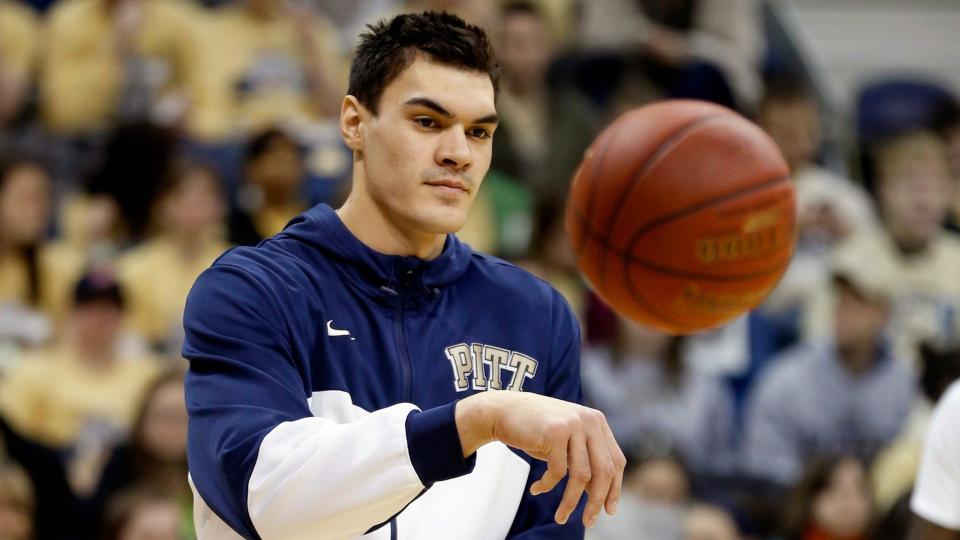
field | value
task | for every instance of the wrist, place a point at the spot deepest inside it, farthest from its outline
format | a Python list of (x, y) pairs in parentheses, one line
[(475, 420)]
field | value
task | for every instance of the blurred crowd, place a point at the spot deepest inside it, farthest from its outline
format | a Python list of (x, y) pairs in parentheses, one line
[(139, 139)]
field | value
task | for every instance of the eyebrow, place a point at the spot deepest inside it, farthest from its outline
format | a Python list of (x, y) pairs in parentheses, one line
[(436, 107)]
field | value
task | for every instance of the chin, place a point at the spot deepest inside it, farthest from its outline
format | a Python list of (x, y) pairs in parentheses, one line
[(444, 220)]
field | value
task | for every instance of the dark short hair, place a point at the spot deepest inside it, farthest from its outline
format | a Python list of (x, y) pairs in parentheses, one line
[(262, 142), (98, 285), (390, 46), (786, 88)]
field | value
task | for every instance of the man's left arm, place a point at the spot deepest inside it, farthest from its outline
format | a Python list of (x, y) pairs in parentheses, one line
[(535, 515)]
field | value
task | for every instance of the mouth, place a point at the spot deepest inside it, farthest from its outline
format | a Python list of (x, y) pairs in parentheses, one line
[(449, 185)]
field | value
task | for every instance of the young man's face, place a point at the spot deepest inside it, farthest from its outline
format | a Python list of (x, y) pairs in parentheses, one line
[(914, 199), (427, 150)]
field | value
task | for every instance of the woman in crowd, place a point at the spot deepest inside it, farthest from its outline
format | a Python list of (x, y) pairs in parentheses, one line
[(831, 502), (155, 455)]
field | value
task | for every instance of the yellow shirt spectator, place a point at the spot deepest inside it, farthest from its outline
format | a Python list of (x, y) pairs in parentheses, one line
[(52, 397), (156, 280), (18, 51), (89, 45), (265, 67)]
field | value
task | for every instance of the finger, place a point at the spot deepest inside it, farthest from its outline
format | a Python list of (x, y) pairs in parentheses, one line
[(619, 462), (556, 459), (602, 473), (578, 476)]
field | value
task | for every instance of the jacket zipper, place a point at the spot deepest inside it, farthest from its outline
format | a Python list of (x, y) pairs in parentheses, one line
[(406, 365)]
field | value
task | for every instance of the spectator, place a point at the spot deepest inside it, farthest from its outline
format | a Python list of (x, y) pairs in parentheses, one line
[(829, 207), (143, 515), (17, 502), (189, 218), (27, 276), (710, 522), (135, 162), (56, 512), (551, 257), (110, 60), (272, 192), (82, 393), (656, 491), (694, 49), (543, 131), (267, 62), (651, 398), (845, 395), (911, 250), (831, 502), (18, 55), (156, 454)]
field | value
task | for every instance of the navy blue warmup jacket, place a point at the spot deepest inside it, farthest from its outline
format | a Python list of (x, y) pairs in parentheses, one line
[(322, 384)]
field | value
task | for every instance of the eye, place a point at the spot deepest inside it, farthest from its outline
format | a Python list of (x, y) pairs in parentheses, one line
[(480, 133), (426, 122)]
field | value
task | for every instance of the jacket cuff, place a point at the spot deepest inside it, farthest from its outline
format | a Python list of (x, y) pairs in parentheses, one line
[(434, 445)]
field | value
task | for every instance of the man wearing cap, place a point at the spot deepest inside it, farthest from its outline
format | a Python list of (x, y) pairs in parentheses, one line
[(80, 389), (846, 395)]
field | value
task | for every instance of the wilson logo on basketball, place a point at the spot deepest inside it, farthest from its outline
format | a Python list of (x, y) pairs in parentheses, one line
[(758, 236)]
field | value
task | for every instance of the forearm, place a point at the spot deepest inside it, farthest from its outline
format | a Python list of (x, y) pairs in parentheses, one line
[(475, 419)]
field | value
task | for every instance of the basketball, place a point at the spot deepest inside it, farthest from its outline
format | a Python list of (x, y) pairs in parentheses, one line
[(682, 215)]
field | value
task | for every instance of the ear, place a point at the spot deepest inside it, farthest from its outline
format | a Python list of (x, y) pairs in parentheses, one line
[(352, 117)]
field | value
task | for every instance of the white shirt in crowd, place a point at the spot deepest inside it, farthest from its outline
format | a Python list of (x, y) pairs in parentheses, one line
[(936, 497)]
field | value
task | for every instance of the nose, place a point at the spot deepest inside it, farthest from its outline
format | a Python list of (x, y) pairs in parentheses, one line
[(454, 149)]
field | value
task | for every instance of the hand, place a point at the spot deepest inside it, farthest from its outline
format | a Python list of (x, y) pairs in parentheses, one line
[(574, 440)]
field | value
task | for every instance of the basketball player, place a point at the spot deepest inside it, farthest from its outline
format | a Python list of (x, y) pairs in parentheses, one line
[(365, 373), (936, 496)]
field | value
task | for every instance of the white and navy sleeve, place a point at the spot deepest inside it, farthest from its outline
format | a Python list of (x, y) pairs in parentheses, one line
[(258, 456)]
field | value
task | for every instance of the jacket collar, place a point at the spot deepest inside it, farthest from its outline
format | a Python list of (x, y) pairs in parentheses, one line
[(384, 275)]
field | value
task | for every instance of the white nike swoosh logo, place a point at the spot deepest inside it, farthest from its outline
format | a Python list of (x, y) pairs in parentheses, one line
[(331, 331)]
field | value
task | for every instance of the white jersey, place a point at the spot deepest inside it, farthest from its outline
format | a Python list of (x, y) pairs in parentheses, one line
[(936, 496)]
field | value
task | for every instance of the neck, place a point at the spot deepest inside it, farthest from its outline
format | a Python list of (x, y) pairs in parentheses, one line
[(386, 234), (93, 355), (187, 245), (906, 245)]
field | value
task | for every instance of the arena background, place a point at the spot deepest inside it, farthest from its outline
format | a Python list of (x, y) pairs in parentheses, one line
[(139, 139)]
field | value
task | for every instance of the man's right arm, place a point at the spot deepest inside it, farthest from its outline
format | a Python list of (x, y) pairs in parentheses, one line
[(258, 456)]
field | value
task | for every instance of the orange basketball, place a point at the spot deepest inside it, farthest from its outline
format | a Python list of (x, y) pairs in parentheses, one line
[(682, 215)]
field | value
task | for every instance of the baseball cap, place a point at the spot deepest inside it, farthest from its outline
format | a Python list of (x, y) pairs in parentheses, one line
[(869, 278), (98, 285)]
